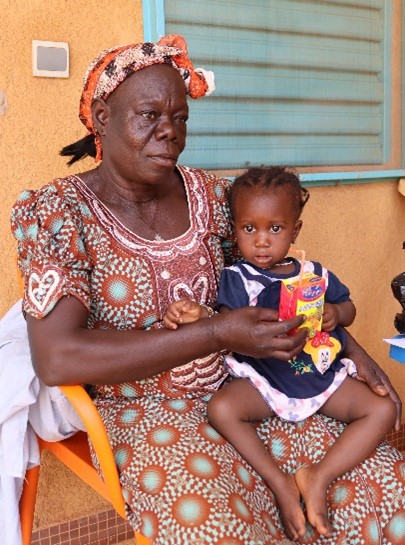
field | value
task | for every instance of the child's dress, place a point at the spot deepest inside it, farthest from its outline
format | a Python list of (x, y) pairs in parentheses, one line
[(298, 388)]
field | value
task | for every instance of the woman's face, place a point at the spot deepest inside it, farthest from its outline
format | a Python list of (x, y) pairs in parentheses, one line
[(145, 125), (265, 224)]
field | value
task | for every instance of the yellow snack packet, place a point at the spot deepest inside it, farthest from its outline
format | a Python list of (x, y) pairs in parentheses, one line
[(303, 294)]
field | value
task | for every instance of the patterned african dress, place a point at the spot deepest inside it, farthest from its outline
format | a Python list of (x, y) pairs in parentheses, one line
[(183, 483)]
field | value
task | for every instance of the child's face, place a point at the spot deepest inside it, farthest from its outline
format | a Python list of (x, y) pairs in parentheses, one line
[(265, 224)]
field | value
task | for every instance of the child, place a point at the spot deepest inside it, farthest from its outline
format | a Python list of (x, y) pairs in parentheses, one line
[(266, 204)]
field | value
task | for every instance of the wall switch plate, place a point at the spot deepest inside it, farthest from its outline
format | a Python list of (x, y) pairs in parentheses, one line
[(50, 59)]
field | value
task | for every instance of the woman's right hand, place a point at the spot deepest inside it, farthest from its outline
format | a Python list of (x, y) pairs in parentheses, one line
[(257, 332)]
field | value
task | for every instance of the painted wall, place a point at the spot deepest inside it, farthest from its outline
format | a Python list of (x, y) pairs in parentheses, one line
[(356, 230)]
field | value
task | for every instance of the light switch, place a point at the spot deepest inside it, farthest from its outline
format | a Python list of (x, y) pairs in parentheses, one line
[(50, 59)]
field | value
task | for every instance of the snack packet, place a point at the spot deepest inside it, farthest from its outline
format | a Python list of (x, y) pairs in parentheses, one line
[(303, 294)]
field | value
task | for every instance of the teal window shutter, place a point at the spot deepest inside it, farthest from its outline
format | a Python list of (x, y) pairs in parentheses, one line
[(298, 83)]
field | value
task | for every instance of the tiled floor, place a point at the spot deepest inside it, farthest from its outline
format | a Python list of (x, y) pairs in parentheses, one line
[(106, 528)]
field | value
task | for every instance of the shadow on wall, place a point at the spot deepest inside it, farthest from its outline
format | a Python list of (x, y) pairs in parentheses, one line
[(3, 102)]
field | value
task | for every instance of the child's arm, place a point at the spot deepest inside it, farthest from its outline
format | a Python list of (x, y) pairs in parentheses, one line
[(339, 314), (184, 312)]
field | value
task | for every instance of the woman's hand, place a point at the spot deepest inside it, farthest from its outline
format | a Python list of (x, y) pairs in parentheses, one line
[(257, 332), (369, 372)]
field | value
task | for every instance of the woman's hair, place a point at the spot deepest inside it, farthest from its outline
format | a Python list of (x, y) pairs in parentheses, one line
[(86, 147), (269, 178)]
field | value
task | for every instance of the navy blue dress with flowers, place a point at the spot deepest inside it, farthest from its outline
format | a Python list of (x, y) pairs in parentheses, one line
[(296, 389)]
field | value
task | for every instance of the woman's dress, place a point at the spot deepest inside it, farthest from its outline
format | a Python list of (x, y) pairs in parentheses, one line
[(183, 484)]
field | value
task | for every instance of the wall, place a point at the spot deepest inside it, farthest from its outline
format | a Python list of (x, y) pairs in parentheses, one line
[(356, 230)]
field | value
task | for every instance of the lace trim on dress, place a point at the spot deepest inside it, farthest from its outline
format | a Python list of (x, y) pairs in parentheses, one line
[(161, 250)]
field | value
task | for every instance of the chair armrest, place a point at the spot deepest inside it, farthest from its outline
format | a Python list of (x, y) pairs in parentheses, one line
[(85, 408)]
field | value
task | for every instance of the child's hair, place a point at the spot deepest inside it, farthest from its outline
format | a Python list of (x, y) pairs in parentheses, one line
[(270, 177)]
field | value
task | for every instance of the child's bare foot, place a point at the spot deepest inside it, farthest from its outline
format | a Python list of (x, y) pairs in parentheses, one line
[(291, 513), (314, 495)]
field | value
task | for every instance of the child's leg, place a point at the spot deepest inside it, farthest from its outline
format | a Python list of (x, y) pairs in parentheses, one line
[(369, 418), (231, 411)]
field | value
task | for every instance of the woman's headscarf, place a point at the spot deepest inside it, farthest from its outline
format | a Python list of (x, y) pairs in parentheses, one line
[(114, 65)]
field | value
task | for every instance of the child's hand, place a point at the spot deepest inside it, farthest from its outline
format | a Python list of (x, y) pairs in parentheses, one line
[(330, 317), (183, 312)]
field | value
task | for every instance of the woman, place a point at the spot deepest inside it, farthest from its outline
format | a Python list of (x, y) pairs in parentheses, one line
[(103, 254)]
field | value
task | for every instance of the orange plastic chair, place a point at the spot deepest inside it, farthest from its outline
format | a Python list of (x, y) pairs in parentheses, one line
[(75, 454)]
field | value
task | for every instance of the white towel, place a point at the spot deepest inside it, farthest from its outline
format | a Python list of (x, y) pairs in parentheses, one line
[(27, 408)]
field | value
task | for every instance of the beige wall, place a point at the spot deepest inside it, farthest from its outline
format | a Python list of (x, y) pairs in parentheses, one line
[(356, 230)]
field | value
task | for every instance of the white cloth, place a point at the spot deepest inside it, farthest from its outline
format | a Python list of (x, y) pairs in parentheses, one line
[(27, 408)]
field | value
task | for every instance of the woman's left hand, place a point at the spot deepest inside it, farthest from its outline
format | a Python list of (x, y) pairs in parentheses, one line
[(368, 371)]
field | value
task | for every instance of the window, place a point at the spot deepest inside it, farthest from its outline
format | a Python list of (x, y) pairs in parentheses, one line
[(305, 83)]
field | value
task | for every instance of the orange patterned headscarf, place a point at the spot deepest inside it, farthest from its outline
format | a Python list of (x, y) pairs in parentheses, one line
[(114, 65)]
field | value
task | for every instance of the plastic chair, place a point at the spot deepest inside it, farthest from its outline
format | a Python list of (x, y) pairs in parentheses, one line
[(75, 454)]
